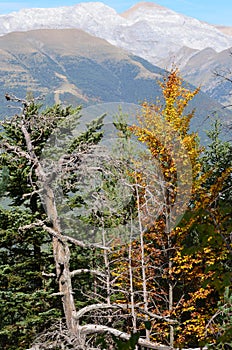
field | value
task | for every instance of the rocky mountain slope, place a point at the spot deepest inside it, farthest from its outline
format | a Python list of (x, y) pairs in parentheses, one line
[(70, 66), (148, 30), (210, 69)]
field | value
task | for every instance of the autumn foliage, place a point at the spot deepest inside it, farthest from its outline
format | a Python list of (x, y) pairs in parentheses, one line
[(158, 275), (186, 244)]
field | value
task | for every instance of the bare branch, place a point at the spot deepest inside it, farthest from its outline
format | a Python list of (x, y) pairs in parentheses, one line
[(94, 307), (85, 245), (92, 329), (17, 150), (30, 194), (222, 75), (159, 317), (61, 237), (48, 274), (92, 272), (11, 97), (57, 294)]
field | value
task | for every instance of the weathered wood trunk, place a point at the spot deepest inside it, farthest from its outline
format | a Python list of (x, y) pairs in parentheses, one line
[(61, 254)]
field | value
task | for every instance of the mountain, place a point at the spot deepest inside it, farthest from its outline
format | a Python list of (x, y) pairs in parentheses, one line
[(150, 31), (208, 69), (170, 31), (225, 30), (70, 66)]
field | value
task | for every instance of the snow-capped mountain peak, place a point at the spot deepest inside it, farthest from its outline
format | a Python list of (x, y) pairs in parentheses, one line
[(147, 29), (83, 15), (145, 9), (143, 6)]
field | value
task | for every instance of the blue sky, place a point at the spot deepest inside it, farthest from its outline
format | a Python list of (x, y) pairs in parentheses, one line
[(212, 11)]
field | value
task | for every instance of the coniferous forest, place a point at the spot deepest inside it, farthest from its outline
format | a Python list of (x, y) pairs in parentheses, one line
[(114, 245)]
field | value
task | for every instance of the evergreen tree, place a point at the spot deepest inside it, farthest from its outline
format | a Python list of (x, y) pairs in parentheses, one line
[(42, 160), (27, 282)]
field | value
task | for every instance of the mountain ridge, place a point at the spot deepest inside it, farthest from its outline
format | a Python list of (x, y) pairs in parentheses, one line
[(70, 66), (142, 4), (154, 33), (45, 59), (103, 21)]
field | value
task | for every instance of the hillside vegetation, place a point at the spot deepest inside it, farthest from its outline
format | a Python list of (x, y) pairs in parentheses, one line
[(115, 243)]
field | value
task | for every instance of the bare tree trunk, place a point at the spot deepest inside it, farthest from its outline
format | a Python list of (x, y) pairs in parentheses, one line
[(60, 247), (75, 334), (169, 246), (107, 268), (132, 300), (133, 314), (107, 272), (143, 264), (170, 297), (61, 254)]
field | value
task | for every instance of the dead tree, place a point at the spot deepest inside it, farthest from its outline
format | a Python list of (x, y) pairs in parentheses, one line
[(33, 127)]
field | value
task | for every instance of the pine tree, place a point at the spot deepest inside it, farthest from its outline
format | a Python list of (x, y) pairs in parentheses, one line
[(41, 162), (28, 283)]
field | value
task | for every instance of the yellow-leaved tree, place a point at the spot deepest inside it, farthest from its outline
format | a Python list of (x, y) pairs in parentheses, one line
[(172, 299)]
